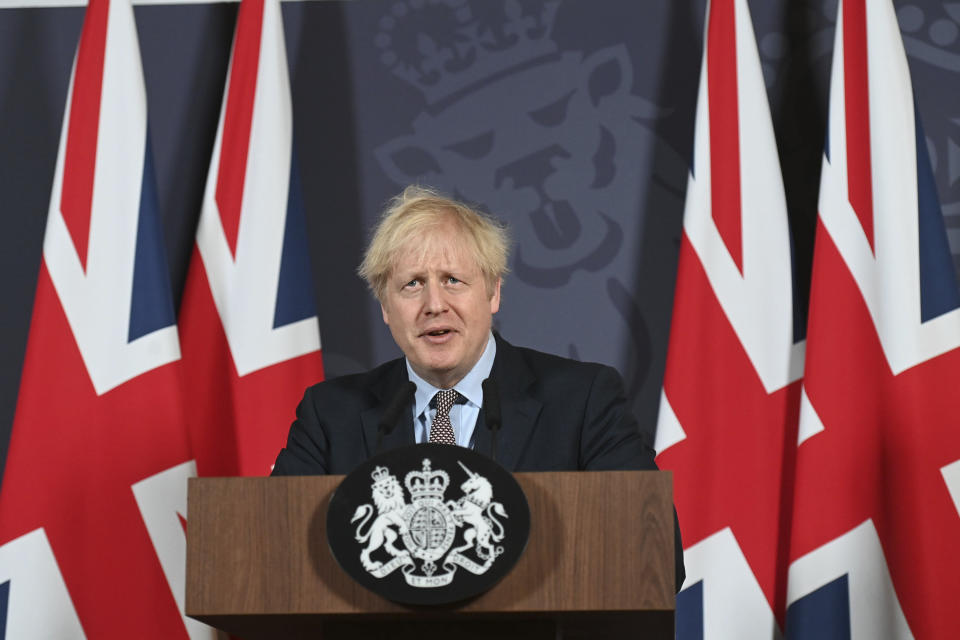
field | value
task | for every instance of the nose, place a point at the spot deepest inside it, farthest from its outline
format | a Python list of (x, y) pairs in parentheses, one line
[(434, 300)]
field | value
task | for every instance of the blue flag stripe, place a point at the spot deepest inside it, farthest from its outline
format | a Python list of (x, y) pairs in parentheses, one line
[(151, 304), (823, 614), (4, 600), (938, 280), (295, 294), (690, 612)]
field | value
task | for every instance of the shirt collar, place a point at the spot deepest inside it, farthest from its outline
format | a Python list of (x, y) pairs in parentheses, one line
[(470, 387)]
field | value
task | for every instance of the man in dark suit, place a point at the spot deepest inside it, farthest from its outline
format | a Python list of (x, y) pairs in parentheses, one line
[(436, 266), (557, 414)]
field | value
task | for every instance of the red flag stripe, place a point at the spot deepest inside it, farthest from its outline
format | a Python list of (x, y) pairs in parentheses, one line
[(724, 126), (81, 152), (857, 92), (237, 118)]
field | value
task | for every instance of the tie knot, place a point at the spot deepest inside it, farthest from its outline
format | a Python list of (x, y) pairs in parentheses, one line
[(445, 399)]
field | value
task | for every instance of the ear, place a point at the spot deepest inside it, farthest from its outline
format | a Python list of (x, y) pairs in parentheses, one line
[(386, 314), (495, 297)]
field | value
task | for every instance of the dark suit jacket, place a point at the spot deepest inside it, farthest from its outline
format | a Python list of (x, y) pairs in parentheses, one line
[(557, 414)]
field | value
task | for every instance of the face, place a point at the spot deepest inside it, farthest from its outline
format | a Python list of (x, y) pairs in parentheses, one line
[(439, 308)]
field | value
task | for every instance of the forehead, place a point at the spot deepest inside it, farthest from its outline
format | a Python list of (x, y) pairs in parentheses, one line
[(442, 247)]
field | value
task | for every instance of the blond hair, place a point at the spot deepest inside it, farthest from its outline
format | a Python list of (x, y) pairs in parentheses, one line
[(414, 212)]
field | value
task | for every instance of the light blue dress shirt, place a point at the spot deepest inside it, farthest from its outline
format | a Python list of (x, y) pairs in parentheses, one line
[(463, 416)]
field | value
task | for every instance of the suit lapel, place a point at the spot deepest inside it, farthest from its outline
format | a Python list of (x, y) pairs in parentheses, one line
[(381, 392), (519, 408), (481, 436)]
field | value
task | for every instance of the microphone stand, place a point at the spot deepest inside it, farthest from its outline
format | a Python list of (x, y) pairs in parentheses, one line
[(397, 404), (491, 412)]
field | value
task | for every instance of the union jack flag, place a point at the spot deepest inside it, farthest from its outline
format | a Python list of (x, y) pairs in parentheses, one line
[(248, 318), (874, 547), (94, 491), (728, 414)]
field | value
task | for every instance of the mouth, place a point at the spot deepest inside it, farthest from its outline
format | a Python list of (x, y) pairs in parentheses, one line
[(437, 335)]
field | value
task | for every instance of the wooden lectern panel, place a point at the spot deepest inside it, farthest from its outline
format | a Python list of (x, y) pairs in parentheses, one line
[(600, 556)]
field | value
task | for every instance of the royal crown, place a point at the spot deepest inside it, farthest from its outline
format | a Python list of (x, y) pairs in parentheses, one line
[(426, 483), (380, 475), (459, 49)]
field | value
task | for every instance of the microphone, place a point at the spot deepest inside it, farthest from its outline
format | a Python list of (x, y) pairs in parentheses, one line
[(491, 412), (391, 414)]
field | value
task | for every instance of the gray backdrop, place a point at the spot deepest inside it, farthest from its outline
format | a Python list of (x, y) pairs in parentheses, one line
[(572, 121)]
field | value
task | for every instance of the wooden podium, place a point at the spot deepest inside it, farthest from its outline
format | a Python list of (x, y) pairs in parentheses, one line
[(599, 564)]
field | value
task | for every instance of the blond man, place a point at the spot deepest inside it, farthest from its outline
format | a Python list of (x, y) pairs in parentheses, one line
[(436, 266)]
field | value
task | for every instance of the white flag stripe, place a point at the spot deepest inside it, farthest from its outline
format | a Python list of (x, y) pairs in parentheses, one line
[(719, 562), (161, 498), (874, 609), (39, 605), (951, 476), (669, 430), (810, 423)]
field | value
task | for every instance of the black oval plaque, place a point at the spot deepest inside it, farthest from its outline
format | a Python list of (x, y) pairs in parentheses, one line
[(428, 524)]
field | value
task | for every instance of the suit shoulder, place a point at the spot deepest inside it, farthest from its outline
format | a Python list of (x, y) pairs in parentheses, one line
[(544, 364)]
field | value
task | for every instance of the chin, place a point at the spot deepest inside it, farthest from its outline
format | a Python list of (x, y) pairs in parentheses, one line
[(441, 368)]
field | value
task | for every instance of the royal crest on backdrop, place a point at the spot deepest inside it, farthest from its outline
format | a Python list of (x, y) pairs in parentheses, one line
[(556, 136)]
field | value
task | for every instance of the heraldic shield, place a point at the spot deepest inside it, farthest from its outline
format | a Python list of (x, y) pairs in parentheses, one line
[(428, 524)]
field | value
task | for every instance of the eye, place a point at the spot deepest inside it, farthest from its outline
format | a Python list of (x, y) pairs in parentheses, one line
[(412, 284), (473, 148), (553, 114), (453, 280)]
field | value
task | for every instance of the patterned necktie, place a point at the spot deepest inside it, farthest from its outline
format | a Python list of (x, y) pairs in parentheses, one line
[(441, 430)]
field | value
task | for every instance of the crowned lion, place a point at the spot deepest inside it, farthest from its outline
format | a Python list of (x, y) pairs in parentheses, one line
[(388, 497)]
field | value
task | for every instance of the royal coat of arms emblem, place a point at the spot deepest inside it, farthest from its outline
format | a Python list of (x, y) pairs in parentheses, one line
[(419, 537), (428, 524)]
